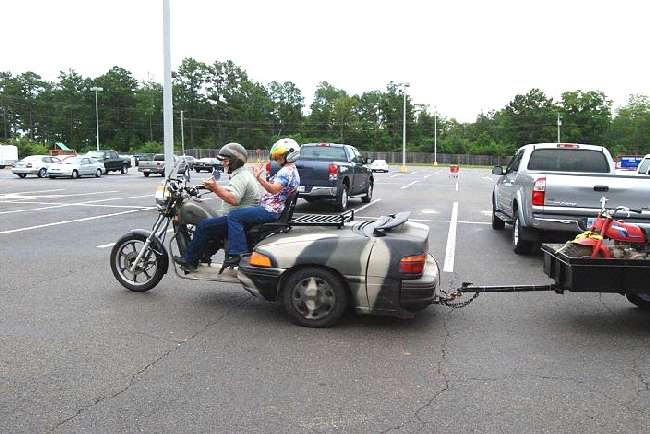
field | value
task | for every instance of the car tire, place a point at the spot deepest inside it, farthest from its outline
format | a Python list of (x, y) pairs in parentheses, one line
[(342, 198), (98, 173), (368, 196), (124, 170), (75, 174), (497, 223), (197, 170), (641, 300), (51, 177), (314, 297), (519, 245), (42, 173), (118, 254), (146, 175), (21, 175)]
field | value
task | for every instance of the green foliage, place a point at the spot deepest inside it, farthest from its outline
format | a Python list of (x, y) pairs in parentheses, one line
[(221, 103), (27, 147)]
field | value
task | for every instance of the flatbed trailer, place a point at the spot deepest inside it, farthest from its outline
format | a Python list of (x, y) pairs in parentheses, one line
[(629, 277)]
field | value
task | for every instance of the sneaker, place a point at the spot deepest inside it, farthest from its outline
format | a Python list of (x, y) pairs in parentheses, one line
[(185, 264)]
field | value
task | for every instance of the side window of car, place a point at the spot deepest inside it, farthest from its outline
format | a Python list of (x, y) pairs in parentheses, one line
[(513, 166)]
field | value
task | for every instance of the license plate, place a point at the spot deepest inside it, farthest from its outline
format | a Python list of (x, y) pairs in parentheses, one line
[(301, 189)]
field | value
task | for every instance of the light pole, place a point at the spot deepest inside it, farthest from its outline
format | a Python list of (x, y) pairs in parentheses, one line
[(435, 135), (182, 135), (168, 131), (403, 168), (96, 90), (559, 124)]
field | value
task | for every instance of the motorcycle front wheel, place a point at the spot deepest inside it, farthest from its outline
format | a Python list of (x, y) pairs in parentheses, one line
[(148, 272)]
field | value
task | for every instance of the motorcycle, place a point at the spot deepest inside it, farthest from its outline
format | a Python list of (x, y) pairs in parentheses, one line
[(140, 258), (608, 237)]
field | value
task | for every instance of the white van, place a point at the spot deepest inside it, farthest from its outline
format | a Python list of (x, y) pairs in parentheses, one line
[(8, 155), (644, 166)]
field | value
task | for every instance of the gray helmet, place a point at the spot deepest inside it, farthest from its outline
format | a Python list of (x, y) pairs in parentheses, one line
[(236, 155)]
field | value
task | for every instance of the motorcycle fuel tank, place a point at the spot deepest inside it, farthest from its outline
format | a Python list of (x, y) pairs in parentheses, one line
[(194, 210)]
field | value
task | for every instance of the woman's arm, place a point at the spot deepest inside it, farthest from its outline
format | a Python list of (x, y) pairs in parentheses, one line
[(271, 187)]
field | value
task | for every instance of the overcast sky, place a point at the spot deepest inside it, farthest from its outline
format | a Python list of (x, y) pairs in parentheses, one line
[(463, 56)]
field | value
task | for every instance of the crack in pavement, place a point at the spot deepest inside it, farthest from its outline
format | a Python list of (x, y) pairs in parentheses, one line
[(135, 377)]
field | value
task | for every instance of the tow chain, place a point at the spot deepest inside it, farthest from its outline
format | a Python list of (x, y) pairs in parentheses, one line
[(453, 294)]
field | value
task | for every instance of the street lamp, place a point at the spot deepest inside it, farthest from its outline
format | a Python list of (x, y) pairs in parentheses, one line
[(97, 89), (403, 169), (435, 135), (559, 124)]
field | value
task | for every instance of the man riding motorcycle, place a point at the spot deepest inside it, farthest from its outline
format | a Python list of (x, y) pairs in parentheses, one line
[(243, 191), (285, 181)]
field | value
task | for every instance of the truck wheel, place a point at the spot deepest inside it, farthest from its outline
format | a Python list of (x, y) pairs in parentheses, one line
[(21, 175), (520, 246), (314, 297), (146, 175), (124, 170), (342, 198), (368, 197), (641, 300), (42, 173), (497, 223)]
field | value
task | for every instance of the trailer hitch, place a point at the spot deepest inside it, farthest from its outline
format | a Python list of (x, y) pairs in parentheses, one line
[(469, 287)]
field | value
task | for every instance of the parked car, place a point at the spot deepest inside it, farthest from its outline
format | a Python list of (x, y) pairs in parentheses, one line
[(331, 171), (111, 160), (34, 165), (8, 155), (76, 167), (189, 160), (552, 188), (155, 165), (644, 166), (207, 164), (379, 166), (142, 157)]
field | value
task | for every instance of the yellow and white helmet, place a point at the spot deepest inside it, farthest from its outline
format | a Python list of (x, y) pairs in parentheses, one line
[(287, 148)]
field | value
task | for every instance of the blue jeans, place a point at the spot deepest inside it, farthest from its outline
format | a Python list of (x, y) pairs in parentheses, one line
[(215, 227), (238, 219)]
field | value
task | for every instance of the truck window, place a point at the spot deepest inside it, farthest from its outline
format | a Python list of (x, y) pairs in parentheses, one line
[(331, 153), (513, 166), (159, 157), (568, 160), (644, 166)]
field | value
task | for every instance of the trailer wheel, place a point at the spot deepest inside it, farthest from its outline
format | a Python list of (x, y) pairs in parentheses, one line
[(641, 300)]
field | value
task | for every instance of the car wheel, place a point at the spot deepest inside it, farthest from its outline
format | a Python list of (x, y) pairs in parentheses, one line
[(148, 273), (42, 173), (314, 297), (146, 175), (641, 300), (50, 176), (342, 198), (21, 175), (98, 173), (197, 170), (75, 174), (124, 170), (497, 223), (368, 197), (519, 245)]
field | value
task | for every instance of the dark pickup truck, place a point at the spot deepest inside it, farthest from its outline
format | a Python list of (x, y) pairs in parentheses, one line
[(112, 161), (331, 171)]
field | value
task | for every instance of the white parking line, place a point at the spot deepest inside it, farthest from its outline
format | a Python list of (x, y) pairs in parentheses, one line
[(408, 185), (450, 250), (375, 218), (467, 222), (14, 211), (103, 246), (426, 176), (35, 191), (139, 197), (487, 178), (457, 185), (107, 215), (361, 208), (394, 175), (34, 227)]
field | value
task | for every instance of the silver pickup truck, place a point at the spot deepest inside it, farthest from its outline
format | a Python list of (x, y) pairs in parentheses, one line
[(554, 188)]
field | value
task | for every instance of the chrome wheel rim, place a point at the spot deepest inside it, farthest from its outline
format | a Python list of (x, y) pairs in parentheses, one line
[(313, 298), (515, 233), (370, 191), (344, 198), (125, 257)]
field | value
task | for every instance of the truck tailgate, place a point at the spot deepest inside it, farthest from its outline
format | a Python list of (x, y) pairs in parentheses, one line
[(581, 191), (313, 172)]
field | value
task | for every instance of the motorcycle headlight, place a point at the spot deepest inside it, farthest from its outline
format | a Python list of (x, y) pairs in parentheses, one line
[(162, 195)]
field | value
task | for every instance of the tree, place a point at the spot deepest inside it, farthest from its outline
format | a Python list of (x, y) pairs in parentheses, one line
[(287, 103), (586, 117)]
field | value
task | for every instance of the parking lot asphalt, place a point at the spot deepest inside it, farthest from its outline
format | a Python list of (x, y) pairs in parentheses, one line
[(79, 353)]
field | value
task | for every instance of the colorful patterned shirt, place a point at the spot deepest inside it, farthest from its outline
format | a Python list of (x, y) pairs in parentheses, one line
[(290, 179)]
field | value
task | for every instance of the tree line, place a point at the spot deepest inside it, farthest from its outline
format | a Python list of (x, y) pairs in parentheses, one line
[(221, 103)]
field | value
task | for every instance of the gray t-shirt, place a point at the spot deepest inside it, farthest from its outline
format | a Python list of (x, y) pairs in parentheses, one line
[(244, 187)]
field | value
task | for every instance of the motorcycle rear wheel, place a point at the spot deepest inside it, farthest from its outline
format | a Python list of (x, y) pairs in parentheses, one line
[(148, 273)]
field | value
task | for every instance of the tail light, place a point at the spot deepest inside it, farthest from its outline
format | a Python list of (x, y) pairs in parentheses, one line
[(333, 171), (412, 264), (268, 167), (539, 190)]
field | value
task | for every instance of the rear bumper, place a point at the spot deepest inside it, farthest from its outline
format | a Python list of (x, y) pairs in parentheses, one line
[(151, 170), (24, 171), (316, 191), (419, 293)]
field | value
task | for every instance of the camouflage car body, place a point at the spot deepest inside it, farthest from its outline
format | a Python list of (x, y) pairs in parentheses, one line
[(367, 262)]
